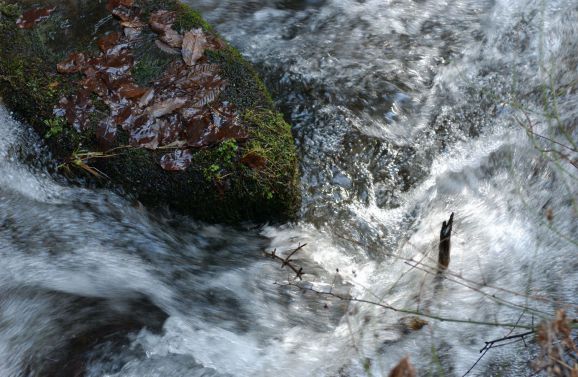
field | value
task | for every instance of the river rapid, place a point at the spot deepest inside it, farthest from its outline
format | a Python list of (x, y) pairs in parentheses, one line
[(403, 112)]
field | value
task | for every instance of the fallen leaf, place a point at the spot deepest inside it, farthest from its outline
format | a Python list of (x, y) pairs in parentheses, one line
[(164, 47), (147, 98), (403, 369), (172, 38), (113, 4), (106, 133), (194, 44), (254, 161), (108, 41), (146, 134), (131, 90), (73, 64), (178, 160), (165, 107), (162, 20), (34, 16), (76, 109)]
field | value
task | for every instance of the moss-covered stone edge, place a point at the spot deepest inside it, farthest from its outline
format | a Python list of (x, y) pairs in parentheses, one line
[(219, 186)]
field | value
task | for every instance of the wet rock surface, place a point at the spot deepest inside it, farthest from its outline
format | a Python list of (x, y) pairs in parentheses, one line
[(144, 96)]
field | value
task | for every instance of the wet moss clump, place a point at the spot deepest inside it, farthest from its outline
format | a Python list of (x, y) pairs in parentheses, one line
[(248, 173)]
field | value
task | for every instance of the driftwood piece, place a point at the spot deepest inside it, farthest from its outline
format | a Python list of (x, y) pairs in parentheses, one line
[(445, 244)]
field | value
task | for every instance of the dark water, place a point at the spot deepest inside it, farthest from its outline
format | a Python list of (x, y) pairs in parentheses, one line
[(403, 111)]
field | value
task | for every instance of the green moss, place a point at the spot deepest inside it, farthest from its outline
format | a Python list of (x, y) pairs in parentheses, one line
[(55, 126), (245, 89), (273, 141), (9, 10), (188, 19)]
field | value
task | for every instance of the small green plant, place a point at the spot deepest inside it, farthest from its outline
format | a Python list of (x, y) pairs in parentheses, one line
[(55, 126)]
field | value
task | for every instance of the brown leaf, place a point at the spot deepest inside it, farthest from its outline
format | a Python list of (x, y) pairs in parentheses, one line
[(132, 33), (172, 38), (126, 14), (403, 369), (166, 48), (162, 20), (147, 97), (108, 41), (131, 91), (178, 160), (34, 16), (113, 4), (76, 109), (194, 44), (171, 130), (106, 133), (73, 64), (145, 134), (254, 161), (165, 107)]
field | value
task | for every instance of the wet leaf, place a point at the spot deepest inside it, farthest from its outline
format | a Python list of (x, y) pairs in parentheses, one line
[(106, 133), (178, 160), (126, 14), (165, 107), (132, 33), (34, 16), (403, 369), (166, 48), (254, 161), (172, 38), (146, 133), (147, 98), (131, 90), (108, 41), (113, 4), (162, 20), (171, 130), (194, 44), (73, 64), (76, 110)]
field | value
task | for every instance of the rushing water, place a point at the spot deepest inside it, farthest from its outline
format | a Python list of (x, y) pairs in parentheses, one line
[(404, 111)]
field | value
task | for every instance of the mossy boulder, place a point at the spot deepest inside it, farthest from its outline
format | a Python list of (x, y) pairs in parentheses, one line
[(150, 101)]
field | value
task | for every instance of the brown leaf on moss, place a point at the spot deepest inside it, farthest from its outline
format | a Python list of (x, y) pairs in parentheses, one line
[(113, 4), (131, 90), (172, 38), (109, 41), (106, 133), (162, 19), (254, 161), (126, 14), (74, 63), (215, 43), (147, 97), (145, 134), (164, 47), (171, 131), (76, 109), (178, 160), (194, 44), (212, 127), (403, 369), (32, 17), (165, 107)]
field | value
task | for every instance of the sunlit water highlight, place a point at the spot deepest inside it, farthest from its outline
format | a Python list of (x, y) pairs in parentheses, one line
[(403, 112)]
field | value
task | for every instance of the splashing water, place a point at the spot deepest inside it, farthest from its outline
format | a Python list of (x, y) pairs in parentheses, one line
[(403, 112)]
